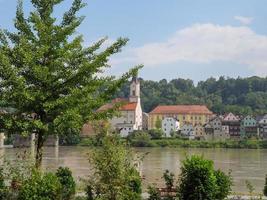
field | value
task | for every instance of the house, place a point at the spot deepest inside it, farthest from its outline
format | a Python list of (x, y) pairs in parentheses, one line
[(188, 131), (145, 121), (170, 125), (248, 127), (130, 116), (200, 133), (194, 114), (262, 124), (231, 123)]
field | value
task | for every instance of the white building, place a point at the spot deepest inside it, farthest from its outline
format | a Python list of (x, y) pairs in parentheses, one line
[(188, 131), (130, 113), (170, 125)]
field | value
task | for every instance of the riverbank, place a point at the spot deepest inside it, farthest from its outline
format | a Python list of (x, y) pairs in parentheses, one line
[(180, 143)]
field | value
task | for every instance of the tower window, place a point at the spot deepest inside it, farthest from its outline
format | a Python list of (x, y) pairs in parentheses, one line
[(133, 92)]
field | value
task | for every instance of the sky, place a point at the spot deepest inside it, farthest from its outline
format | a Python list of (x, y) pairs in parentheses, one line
[(194, 39)]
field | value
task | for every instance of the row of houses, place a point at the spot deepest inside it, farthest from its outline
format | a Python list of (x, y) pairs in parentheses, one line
[(191, 121), (218, 127)]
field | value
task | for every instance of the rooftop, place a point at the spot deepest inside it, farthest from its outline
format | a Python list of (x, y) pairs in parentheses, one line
[(181, 109)]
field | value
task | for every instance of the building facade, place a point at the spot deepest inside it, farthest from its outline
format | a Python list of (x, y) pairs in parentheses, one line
[(170, 125), (194, 114), (188, 131), (130, 116), (248, 127), (231, 123)]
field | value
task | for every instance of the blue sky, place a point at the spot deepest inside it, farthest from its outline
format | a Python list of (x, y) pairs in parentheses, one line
[(192, 39)]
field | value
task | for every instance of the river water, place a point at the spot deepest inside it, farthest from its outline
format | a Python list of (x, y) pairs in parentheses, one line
[(245, 164)]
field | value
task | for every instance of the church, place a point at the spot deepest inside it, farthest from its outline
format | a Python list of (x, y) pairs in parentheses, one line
[(130, 118), (130, 113)]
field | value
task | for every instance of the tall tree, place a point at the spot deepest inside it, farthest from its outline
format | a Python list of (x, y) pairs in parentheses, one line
[(49, 77)]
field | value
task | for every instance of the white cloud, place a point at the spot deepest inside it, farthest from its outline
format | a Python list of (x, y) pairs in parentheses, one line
[(205, 43), (244, 20)]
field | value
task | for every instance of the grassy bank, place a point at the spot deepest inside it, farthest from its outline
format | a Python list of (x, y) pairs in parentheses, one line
[(175, 142)]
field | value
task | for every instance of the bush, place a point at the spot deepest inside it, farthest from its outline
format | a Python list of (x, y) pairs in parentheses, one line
[(155, 133), (265, 187), (2, 185), (114, 176), (72, 137), (153, 193), (67, 182), (140, 139), (40, 186), (198, 180), (224, 184)]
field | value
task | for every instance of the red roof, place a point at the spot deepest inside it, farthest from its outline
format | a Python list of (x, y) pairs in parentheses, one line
[(126, 106), (181, 109)]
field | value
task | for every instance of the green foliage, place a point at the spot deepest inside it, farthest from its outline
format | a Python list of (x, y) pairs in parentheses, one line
[(67, 182), (240, 95), (114, 177), (158, 124), (140, 139), (70, 139), (40, 186), (198, 180), (265, 187), (2, 185), (153, 193), (169, 179), (224, 183), (155, 133), (49, 77)]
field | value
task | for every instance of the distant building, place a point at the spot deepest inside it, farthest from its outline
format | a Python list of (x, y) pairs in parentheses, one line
[(170, 125), (200, 133), (145, 121), (262, 123), (188, 131), (130, 116), (231, 123), (194, 114), (248, 127)]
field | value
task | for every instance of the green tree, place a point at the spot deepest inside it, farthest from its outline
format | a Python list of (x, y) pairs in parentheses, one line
[(197, 179), (68, 185), (114, 177), (49, 77), (41, 186), (224, 183), (158, 123)]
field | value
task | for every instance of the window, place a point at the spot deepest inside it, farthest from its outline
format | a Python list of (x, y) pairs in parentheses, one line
[(133, 93)]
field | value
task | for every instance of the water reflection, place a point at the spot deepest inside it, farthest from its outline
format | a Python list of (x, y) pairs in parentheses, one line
[(245, 164)]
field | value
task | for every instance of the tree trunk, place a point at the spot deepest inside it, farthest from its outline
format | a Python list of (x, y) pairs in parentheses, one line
[(39, 150)]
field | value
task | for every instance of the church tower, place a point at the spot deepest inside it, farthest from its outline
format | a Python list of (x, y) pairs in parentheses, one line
[(135, 90)]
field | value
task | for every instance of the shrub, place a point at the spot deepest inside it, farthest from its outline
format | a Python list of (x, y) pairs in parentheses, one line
[(69, 139), (265, 187), (67, 182), (153, 193), (2, 185), (224, 183), (155, 133), (169, 179), (140, 139), (40, 186), (114, 176), (197, 179)]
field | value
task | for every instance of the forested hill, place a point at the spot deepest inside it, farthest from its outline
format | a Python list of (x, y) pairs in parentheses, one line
[(241, 95)]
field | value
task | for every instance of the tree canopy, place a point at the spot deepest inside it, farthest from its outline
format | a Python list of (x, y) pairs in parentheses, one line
[(238, 95), (49, 77)]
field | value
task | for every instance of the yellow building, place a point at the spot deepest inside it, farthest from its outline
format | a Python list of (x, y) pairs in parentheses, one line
[(194, 114)]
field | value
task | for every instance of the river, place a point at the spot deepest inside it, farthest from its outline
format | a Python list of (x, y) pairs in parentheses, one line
[(245, 164)]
